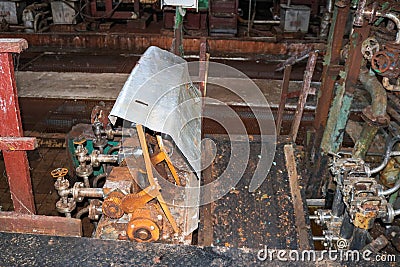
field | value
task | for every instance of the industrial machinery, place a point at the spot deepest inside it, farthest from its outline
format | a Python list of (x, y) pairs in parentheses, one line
[(136, 170), (200, 18), (131, 202), (364, 193), (133, 162)]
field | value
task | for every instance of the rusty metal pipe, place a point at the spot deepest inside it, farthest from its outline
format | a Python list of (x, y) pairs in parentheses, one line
[(81, 212), (393, 18), (378, 107), (97, 178)]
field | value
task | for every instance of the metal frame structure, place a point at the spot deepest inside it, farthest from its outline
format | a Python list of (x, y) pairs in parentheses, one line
[(14, 146)]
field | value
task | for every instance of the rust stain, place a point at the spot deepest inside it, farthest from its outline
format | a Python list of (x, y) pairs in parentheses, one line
[(138, 43)]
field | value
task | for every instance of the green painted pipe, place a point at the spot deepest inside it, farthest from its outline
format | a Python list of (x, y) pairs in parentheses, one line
[(378, 107)]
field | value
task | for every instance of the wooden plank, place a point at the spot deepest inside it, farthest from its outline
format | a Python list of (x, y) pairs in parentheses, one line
[(206, 231), (37, 224), (18, 143), (300, 221)]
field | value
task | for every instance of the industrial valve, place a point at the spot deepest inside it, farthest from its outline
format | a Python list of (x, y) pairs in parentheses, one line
[(358, 202), (99, 141), (83, 170), (65, 204), (78, 192), (87, 162)]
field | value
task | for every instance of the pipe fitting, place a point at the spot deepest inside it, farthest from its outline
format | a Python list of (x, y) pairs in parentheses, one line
[(393, 18), (392, 190), (390, 87), (375, 115)]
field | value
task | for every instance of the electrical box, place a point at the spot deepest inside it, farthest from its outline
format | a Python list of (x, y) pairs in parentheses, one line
[(64, 12), (295, 18), (11, 11)]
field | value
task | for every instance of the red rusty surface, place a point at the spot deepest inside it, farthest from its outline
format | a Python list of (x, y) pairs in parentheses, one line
[(16, 162), (35, 224), (284, 95), (138, 43), (18, 143), (308, 74), (13, 45)]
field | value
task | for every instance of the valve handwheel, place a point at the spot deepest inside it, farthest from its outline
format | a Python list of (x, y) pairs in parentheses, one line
[(59, 172), (79, 140), (381, 62)]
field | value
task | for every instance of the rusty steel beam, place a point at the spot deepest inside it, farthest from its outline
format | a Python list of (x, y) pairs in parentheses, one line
[(331, 69), (300, 220), (16, 162), (284, 95), (308, 74), (138, 43), (340, 110), (15, 222)]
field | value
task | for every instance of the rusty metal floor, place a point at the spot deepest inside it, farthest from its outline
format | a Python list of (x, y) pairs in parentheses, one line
[(37, 250), (265, 217)]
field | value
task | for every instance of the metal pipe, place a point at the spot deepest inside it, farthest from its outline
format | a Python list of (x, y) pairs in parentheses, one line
[(392, 190), (86, 181), (113, 149), (81, 212), (386, 155), (393, 18), (249, 20), (91, 192), (378, 107), (359, 14), (266, 21), (392, 112), (97, 178), (396, 213), (329, 5), (107, 158), (395, 153), (388, 86)]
